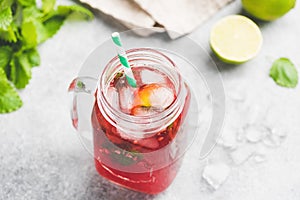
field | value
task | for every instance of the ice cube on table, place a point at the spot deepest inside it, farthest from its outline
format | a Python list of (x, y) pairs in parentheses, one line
[(228, 137), (255, 133), (242, 154), (216, 174), (274, 138)]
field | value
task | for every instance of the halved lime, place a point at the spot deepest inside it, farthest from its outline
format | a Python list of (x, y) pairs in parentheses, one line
[(235, 39)]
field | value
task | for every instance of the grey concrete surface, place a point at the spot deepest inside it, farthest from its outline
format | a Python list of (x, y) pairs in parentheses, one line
[(41, 156)]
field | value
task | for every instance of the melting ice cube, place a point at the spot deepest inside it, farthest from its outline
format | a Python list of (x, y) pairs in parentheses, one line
[(113, 97), (216, 174), (228, 137), (153, 95), (242, 154), (274, 138), (161, 97), (150, 76), (126, 96), (255, 133)]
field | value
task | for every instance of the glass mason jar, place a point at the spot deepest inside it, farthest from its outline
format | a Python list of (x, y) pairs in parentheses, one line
[(141, 153)]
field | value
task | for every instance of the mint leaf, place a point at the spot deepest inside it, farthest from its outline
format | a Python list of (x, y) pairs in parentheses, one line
[(9, 35), (6, 18), (126, 157), (25, 64), (18, 15), (5, 56), (23, 26), (20, 71), (31, 13), (42, 32), (5, 4), (33, 30), (75, 11), (34, 33), (284, 73), (53, 24), (123, 155), (33, 57), (29, 33), (27, 3), (54, 20), (9, 98), (48, 5)]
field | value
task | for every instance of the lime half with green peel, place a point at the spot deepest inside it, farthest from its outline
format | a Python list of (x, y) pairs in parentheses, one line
[(235, 39), (268, 10)]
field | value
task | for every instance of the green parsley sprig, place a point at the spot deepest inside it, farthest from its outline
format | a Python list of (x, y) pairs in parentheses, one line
[(23, 26)]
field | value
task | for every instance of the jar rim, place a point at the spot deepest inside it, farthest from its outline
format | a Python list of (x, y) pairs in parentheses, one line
[(140, 120)]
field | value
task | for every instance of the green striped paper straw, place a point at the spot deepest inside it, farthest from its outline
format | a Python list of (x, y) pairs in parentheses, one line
[(123, 59)]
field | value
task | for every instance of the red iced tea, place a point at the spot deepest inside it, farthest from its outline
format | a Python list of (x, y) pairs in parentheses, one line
[(131, 151)]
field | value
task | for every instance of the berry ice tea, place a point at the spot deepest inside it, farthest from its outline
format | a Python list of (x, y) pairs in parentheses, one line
[(139, 132)]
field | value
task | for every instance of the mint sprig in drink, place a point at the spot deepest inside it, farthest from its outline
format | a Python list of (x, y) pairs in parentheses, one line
[(139, 130)]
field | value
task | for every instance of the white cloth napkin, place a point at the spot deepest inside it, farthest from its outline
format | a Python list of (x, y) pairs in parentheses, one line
[(178, 17)]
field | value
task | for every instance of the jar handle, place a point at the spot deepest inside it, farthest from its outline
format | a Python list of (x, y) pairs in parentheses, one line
[(81, 85), (83, 89)]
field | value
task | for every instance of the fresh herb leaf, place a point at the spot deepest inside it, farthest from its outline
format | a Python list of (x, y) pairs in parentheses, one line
[(284, 73), (9, 35), (23, 26), (123, 155), (5, 56), (27, 3), (5, 4), (6, 18), (31, 13), (53, 24), (29, 34), (75, 11), (20, 71), (34, 33), (9, 98), (33, 57), (126, 157), (48, 5), (18, 15)]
